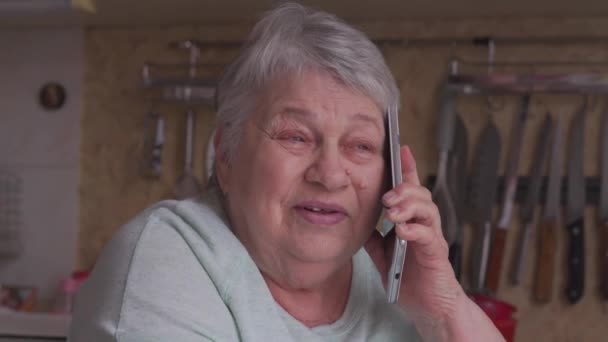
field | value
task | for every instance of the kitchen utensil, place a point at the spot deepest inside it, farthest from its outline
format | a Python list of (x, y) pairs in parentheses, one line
[(187, 186), (603, 207), (481, 198), (11, 188), (500, 233), (153, 145), (441, 191), (210, 155), (527, 209), (457, 178), (575, 207), (543, 286)]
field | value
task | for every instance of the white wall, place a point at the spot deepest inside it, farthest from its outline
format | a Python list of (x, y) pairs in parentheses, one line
[(42, 147)]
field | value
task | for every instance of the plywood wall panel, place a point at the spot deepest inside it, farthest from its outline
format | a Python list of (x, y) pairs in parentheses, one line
[(112, 190)]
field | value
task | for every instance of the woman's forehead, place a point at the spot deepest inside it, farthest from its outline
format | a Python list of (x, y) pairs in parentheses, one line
[(315, 95)]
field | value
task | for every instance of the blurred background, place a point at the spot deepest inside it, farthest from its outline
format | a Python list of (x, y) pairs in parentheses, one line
[(96, 97)]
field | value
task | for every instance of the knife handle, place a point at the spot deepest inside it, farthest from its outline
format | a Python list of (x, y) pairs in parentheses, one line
[(604, 259), (576, 261), (520, 253), (496, 256), (479, 258), (545, 267), (456, 258)]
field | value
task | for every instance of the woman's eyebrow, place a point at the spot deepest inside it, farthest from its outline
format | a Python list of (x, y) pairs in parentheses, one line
[(367, 118), (296, 112), (307, 114)]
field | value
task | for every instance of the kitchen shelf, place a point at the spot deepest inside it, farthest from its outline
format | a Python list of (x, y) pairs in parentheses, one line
[(41, 325)]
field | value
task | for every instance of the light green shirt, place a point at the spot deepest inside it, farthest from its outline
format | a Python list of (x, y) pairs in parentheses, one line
[(178, 273)]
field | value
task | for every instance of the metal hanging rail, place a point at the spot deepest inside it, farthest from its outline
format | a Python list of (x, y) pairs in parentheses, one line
[(180, 82), (482, 41), (191, 87)]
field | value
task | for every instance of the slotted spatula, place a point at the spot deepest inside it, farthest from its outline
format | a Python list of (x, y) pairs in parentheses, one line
[(187, 186)]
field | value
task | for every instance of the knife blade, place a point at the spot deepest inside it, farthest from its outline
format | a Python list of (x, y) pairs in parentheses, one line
[(457, 184), (481, 199), (527, 210), (445, 140), (603, 206), (575, 207), (500, 233), (545, 266)]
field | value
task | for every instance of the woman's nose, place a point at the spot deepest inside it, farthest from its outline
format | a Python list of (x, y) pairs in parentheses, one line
[(328, 170)]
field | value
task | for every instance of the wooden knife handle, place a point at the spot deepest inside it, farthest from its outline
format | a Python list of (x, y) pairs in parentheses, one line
[(480, 254), (495, 263), (545, 266), (604, 259)]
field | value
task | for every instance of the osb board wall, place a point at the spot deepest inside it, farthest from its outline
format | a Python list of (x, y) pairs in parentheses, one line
[(113, 190)]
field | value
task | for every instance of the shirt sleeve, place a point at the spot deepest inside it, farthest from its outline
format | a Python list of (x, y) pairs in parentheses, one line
[(148, 285)]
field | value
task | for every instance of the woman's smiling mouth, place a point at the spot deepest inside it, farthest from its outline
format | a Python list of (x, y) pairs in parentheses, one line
[(320, 213)]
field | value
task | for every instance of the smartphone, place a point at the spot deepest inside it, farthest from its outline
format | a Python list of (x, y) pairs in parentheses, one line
[(395, 272)]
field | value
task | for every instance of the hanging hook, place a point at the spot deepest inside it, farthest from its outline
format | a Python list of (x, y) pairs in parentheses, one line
[(494, 106), (542, 104), (491, 55), (593, 102), (454, 66)]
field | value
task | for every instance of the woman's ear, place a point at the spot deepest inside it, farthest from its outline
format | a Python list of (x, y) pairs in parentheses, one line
[(222, 169)]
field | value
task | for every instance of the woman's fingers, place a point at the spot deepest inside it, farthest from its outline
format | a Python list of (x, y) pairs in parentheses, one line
[(404, 191), (416, 210), (411, 206), (409, 202), (408, 166), (429, 243)]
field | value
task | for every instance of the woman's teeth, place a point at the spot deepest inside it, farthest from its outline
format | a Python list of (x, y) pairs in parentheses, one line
[(319, 210)]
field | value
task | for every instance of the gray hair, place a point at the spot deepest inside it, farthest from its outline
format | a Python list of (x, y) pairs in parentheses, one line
[(290, 39)]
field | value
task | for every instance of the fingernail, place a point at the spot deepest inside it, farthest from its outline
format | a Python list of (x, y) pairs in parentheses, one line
[(389, 196), (403, 227), (392, 211)]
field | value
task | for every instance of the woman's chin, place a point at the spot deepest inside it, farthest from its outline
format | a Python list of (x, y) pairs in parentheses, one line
[(322, 251)]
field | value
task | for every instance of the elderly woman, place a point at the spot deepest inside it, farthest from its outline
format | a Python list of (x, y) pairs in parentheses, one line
[(282, 246)]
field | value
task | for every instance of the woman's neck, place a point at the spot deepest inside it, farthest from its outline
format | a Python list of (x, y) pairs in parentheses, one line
[(316, 305)]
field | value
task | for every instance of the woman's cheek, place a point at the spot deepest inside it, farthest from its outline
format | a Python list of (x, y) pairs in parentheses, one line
[(369, 179)]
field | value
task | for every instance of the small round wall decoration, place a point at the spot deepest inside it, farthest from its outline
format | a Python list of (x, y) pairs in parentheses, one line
[(52, 96)]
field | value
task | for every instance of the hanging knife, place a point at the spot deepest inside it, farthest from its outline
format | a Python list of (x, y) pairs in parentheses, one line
[(481, 198), (575, 208), (603, 208), (457, 178), (500, 233), (445, 140), (527, 210), (545, 267)]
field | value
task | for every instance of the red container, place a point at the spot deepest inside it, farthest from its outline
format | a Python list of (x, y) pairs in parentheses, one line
[(501, 314)]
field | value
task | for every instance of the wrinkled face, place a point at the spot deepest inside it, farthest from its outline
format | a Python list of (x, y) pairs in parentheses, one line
[(304, 186)]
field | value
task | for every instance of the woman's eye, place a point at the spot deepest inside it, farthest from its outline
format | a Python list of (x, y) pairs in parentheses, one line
[(295, 138), (363, 147)]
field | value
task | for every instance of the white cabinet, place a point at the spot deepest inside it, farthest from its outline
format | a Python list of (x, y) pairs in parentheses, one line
[(42, 148)]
